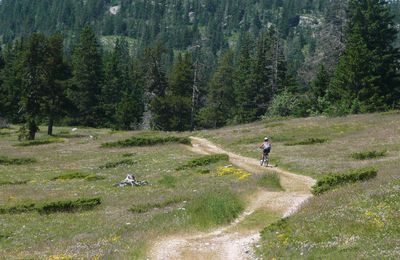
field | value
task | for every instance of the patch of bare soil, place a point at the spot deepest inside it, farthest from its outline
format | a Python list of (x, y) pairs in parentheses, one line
[(227, 242)]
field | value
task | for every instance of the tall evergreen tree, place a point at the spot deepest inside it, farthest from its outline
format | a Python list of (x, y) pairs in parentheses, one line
[(34, 81), (57, 72), (244, 91), (87, 78), (367, 77), (221, 96)]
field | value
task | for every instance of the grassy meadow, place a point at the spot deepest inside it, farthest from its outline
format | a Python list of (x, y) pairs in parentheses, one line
[(189, 192), (62, 172), (354, 221)]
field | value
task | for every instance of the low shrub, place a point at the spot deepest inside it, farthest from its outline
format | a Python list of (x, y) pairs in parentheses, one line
[(204, 160), (79, 175), (128, 154), (40, 142), (214, 208), (52, 207), (308, 141), (5, 160), (68, 205), (147, 141), (204, 171), (275, 227), (270, 181), (125, 162), (3, 183), (143, 208), (330, 181), (368, 155)]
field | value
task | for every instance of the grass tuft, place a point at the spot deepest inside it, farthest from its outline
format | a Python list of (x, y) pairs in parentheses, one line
[(270, 181), (204, 160), (147, 141), (125, 162), (79, 175), (5, 160), (143, 208), (168, 181), (214, 208), (368, 155), (52, 207), (332, 180), (308, 141), (40, 142)]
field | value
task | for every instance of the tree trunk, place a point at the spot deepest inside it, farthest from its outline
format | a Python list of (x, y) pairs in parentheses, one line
[(32, 128), (50, 127)]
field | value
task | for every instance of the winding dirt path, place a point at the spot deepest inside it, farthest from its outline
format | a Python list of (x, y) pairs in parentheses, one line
[(227, 242)]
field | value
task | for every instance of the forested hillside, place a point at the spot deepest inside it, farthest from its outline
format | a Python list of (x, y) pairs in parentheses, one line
[(181, 65), (307, 26)]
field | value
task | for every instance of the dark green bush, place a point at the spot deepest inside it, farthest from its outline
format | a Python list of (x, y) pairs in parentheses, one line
[(147, 141), (125, 162), (204, 160), (2, 183), (308, 141), (51, 207), (143, 208), (40, 142), (277, 226), (330, 181), (79, 175), (368, 155), (17, 209), (4, 160), (68, 205)]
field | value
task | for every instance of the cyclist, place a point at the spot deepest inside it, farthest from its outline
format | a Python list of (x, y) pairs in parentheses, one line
[(266, 146)]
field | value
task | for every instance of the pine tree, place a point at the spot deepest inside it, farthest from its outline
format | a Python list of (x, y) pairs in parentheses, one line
[(87, 78), (57, 72), (34, 81), (221, 96), (244, 91), (318, 89), (366, 78), (173, 111)]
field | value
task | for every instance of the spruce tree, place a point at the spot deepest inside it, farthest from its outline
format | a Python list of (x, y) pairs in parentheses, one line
[(367, 77), (221, 96), (57, 72), (87, 78), (34, 82), (244, 91)]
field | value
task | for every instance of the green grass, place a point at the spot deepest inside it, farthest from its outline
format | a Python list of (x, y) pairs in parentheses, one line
[(125, 162), (332, 180), (168, 181), (40, 142), (143, 208), (368, 155), (270, 181), (308, 141), (5, 160), (214, 208), (147, 141), (204, 161), (79, 175), (52, 207)]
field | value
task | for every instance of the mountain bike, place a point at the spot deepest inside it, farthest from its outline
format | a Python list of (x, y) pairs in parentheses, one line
[(265, 160)]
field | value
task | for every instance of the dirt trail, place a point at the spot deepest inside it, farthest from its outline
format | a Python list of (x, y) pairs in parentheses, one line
[(226, 242)]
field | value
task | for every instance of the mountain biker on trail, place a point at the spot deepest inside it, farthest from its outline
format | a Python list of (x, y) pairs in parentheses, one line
[(266, 146)]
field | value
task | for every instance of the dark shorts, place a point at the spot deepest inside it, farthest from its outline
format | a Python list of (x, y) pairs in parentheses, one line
[(267, 150)]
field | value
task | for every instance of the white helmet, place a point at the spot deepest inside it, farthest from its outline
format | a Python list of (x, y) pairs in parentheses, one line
[(266, 139)]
